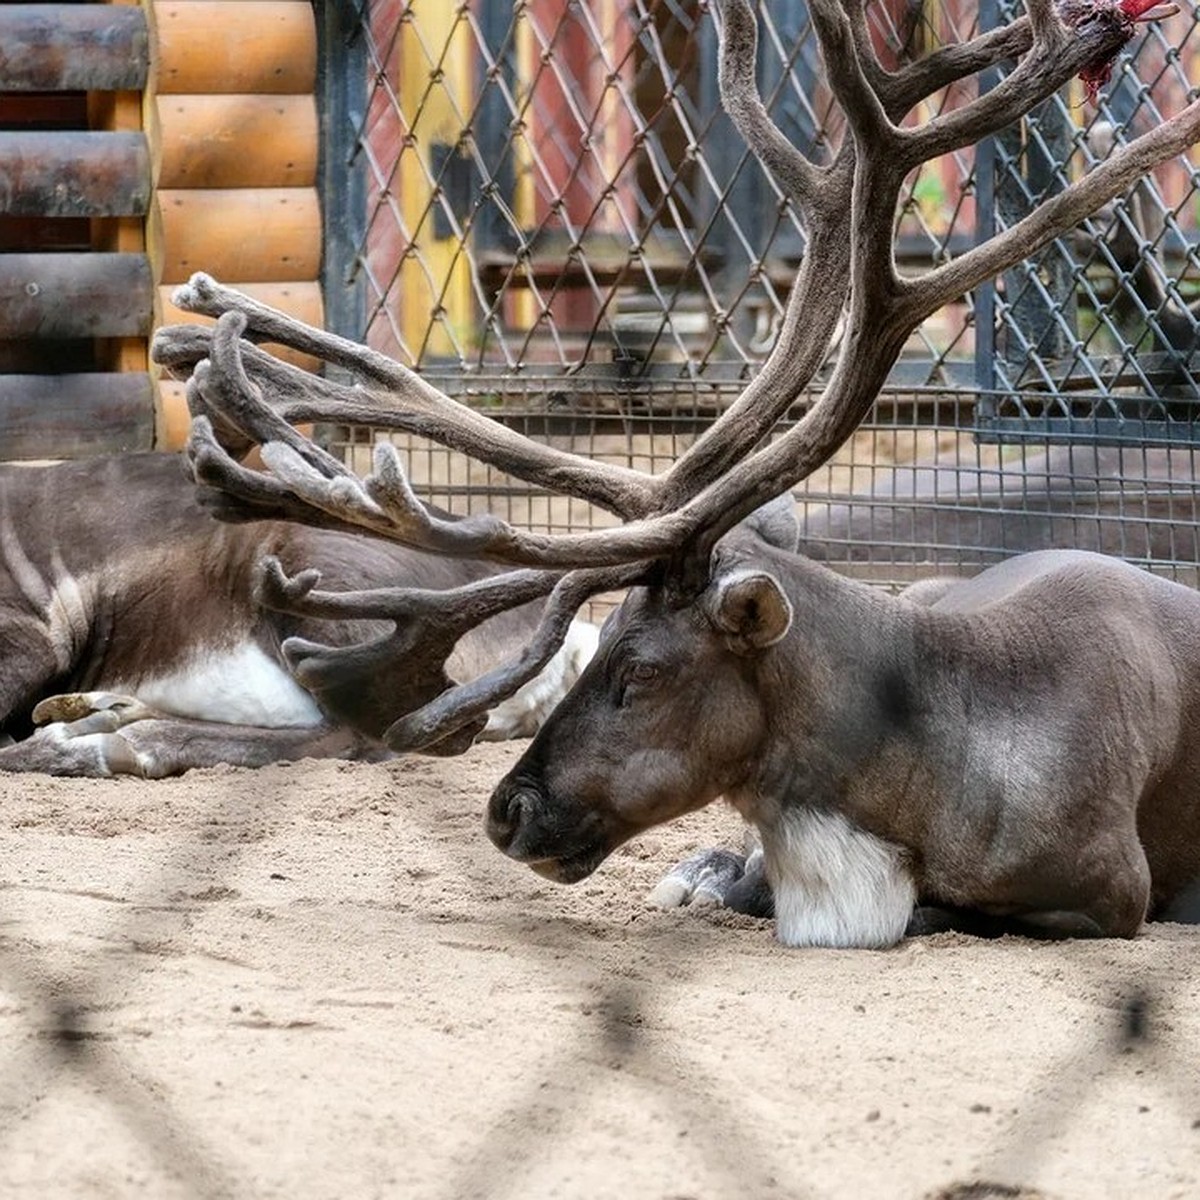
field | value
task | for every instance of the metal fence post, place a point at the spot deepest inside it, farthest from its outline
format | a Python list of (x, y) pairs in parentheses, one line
[(985, 224), (342, 89)]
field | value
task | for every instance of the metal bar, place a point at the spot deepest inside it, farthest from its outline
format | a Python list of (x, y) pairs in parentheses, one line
[(985, 225), (342, 88)]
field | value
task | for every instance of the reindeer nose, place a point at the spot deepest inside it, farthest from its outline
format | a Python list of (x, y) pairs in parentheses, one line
[(510, 804)]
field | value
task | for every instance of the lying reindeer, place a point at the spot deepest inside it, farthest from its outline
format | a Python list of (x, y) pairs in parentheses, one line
[(116, 583), (1021, 746)]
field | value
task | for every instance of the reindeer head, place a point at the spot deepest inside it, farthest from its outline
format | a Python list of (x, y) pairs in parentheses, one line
[(667, 717), (671, 522)]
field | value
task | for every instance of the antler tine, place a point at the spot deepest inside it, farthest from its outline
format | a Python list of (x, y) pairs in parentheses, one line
[(235, 493), (880, 80), (948, 64), (1055, 56), (737, 80), (620, 490), (928, 292), (458, 609), (844, 70), (231, 439), (464, 704), (204, 295), (390, 489), (180, 347), (229, 391)]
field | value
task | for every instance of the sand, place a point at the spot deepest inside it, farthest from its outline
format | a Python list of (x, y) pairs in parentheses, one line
[(320, 980)]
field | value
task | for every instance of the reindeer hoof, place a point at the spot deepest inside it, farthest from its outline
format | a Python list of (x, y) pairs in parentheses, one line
[(91, 712), (701, 880)]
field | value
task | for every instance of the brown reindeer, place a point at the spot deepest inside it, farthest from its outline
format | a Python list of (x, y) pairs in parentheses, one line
[(116, 584), (1019, 748)]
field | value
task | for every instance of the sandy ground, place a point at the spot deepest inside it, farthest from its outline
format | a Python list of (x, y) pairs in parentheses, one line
[(320, 980)]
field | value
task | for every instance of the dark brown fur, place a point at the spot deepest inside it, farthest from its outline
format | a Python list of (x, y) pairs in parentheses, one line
[(1025, 746), (112, 574)]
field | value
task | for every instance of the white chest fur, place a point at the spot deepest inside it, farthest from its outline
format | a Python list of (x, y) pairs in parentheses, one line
[(835, 884), (238, 686)]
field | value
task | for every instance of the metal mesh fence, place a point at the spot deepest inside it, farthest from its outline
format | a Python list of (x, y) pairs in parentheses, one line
[(559, 225)]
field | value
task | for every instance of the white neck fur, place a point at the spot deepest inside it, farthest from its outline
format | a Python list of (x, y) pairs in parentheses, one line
[(835, 884)]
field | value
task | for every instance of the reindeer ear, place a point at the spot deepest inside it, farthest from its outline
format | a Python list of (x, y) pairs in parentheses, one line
[(751, 608)]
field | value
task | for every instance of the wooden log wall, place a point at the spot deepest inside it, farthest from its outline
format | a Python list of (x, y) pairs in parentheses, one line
[(142, 140), (76, 286)]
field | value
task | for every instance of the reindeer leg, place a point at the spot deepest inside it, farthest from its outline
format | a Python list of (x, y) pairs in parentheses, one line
[(703, 879), (721, 878), (92, 712), (752, 893), (156, 747)]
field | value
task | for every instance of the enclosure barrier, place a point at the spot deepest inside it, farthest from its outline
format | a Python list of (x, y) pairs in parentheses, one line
[(560, 227), (77, 189)]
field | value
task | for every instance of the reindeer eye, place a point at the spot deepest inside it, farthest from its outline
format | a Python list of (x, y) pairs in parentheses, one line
[(643, 672), (634, 675)]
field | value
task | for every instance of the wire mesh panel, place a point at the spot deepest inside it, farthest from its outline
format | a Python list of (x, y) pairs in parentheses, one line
[(561, 227), (1098, 333)]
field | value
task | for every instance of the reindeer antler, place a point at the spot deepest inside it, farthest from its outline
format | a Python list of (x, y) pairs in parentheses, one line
[(848, 275)]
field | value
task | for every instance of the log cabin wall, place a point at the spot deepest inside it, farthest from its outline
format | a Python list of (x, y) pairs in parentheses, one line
[(141, 141)]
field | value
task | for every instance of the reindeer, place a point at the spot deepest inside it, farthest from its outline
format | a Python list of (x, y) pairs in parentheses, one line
[(164, 616), (1019, 748)]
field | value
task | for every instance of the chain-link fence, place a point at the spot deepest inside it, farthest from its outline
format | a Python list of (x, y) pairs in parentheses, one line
[(542, 206)]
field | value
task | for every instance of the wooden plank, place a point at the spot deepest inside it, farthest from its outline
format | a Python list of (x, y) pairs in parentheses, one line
[(74, 174), (72, 47), (240, 234), (75, 295), (69, 416), (207, 46), (120, 112), (237, 141)]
